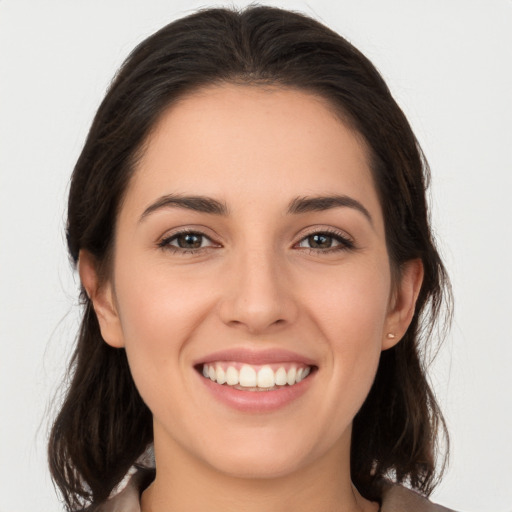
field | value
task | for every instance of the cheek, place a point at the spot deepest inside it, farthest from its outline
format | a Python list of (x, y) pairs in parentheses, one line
[(158, 306), (351, 312), (159, 314), (350, 305)]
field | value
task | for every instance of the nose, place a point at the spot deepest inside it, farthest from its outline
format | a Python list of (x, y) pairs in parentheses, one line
[(258, 295)]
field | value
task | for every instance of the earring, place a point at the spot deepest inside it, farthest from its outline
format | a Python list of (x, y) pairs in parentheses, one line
[(390, 336)]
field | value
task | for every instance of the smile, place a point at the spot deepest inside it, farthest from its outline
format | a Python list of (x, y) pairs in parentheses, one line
[(256, 381), (248, 377)]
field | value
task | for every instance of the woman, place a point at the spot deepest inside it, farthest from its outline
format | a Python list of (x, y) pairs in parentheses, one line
[(249, 222)]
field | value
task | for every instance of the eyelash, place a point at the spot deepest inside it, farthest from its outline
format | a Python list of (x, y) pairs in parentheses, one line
[(344, 243), (165, 243)]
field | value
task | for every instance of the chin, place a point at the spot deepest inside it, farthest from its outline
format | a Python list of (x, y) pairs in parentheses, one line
[(254, 466), (260, 456)]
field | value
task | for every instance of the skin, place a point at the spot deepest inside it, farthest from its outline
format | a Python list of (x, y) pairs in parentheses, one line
[(255, 282)]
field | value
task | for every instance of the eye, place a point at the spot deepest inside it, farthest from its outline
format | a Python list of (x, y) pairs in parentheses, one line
[(326, 241), (187, 241)]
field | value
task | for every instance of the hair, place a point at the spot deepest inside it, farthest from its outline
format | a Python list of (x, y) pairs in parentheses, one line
[(103, 424)]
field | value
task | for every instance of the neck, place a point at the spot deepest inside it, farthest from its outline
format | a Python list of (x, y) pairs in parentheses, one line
[(185, 483)]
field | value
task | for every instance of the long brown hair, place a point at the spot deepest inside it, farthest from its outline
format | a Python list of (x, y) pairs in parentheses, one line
[(103, 424)]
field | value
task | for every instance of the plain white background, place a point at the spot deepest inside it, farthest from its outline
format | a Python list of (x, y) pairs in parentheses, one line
[(448, 63)]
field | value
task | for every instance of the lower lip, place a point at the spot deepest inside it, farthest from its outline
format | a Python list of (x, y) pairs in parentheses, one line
[(258, 401)]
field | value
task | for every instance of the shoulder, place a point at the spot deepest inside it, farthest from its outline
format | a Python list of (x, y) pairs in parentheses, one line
[(128, 498), (396, 498)]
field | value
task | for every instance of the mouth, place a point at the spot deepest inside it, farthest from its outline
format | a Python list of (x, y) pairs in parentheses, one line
[(255, 378), (256, 381)]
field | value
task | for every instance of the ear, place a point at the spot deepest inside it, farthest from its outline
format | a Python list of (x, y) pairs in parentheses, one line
[(101, 295), (403, 302)]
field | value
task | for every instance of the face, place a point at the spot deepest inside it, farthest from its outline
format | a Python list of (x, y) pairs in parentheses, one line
[(251, 284)]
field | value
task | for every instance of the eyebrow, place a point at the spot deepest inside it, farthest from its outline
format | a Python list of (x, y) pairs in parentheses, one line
[(197, 203), (321, 203), (297, 206)]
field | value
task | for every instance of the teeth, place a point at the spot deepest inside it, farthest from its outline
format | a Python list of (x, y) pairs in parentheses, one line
[(221, 375), (266, 378), (231, 376), (302, 373), (290, 377), (281, 377), (249, 377)]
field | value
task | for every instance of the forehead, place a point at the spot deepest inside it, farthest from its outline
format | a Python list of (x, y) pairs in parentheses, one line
[(269, 142)]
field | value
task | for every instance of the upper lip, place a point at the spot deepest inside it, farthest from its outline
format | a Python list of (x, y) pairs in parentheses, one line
[(256, 356)]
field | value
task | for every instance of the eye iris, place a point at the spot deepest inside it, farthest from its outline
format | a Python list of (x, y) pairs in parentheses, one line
[(320, 241), (189, 241)]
